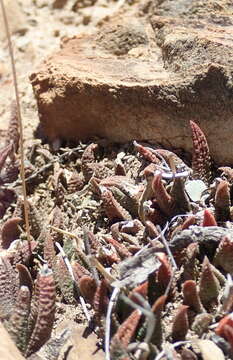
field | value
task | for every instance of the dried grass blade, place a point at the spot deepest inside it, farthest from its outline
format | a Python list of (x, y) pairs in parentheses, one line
[(22, 169)]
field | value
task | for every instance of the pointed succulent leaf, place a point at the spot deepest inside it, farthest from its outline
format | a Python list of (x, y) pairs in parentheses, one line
[(13, 128), (64, 280), (57, 221), (35, 219), (10, 172), (225, 329), (49, 250), (7, 196), (201, 163), (46, 311), (191, 296), (25, 278), (120, 248), (88, 161), (179, 196), (4, 153), (164, 200), (180, 324), (21, 251), (8, 288), (112, 207), (18, 322), (209, 284), (140, 289), (10, 231), (171, 158), (228, 334), (222, 201), (79, 271), (226, 320), (164, 272), (151, 229), (100, 301), (224, 255), (190, 220), (146, 195), (75, 183), (157, 308), (190, 262), (127, 329), (209, 219), (87, 286), (34, 308), (148, 154), (119, 168)]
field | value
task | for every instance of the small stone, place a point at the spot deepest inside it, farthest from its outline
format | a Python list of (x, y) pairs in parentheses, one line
[(194, 189), (100, 85), (59, 4)]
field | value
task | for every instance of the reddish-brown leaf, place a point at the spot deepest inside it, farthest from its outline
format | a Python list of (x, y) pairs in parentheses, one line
[(127, 329), (191, 296), (201, 162), (180, 324), (209, 219), (46, 311)]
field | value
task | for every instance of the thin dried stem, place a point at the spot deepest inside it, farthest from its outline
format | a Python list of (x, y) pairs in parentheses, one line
[(22, 170), (69, 268), (64, 232), (171, 257), (111, 304), (146, 310), (87, 245), (176, 344), (100, 267)]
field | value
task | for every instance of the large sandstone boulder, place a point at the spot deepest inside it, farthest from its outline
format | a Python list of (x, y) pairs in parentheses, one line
[(144, 80)]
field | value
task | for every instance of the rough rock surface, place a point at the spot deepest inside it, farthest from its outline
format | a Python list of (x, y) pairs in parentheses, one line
[(137, 81)]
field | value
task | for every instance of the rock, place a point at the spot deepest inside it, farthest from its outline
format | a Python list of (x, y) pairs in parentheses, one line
[(16, 19), (59, 4), (133, 81)]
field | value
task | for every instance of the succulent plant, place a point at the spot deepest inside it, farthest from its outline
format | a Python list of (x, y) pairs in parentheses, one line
[(99, 227), (30, 319)]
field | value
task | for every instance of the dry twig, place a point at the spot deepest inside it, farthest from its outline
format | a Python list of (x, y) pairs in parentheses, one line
[(22, 169)]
